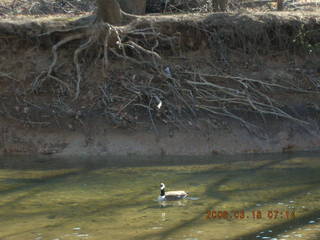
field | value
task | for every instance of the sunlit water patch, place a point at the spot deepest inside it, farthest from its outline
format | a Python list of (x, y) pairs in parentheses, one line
[(272, 196)]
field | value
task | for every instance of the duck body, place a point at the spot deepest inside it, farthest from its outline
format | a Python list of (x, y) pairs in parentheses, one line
[(171, 195)]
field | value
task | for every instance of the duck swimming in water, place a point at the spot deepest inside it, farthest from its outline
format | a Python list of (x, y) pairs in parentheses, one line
[(171, 195)]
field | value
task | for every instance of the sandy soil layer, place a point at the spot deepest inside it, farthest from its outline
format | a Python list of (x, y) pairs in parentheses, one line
[(98, 138)]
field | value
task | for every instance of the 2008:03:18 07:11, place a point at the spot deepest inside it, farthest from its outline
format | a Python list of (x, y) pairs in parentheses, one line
[(255, 214)]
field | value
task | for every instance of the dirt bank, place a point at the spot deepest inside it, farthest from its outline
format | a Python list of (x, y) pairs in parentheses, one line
[(168, 85), (98, 138)]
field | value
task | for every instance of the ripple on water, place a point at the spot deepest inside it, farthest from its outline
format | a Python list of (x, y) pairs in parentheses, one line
[(83, 235), (286, 236), (156, 228), (90, 193)]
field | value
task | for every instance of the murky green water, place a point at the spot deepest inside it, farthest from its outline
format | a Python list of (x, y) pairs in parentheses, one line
[(265, 197)]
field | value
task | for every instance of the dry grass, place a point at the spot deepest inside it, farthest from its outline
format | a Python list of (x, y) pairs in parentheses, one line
[(74, 7)]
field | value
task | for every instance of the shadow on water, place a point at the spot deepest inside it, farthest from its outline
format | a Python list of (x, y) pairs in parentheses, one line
[(236, 174), (55, 163), (87, 208), (211, 191), (65, 216), (280, 228), (30, 187), (185, 224), (213, 177)]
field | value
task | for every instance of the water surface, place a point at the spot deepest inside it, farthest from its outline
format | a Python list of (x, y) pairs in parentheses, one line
[(271, 196)]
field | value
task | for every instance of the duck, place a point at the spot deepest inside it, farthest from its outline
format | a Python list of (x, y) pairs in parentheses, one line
[(171, 195)]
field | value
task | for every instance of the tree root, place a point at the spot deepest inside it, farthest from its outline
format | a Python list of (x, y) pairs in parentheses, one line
[(168, 95), (55, 57), (77, 65)]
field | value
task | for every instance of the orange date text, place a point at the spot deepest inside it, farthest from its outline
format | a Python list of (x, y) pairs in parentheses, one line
[(253, 214)]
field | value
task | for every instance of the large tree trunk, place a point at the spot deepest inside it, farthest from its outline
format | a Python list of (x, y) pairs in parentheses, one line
[(109, 11), (279, 5), (133, 6)]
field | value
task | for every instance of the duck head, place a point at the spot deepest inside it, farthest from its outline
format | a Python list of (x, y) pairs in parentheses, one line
[(162, 191)]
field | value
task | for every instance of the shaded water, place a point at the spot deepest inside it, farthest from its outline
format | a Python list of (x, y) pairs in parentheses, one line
[(47, 198)]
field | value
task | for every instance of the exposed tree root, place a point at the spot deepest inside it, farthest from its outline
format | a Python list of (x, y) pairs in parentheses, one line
[(77, 65), (159, 89), (55, 57)]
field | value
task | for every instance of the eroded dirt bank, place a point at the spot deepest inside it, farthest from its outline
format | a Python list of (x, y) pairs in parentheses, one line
[(161, 85), (99, 138)]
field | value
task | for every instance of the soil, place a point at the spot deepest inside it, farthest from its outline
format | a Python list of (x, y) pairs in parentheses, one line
[(186, 84)]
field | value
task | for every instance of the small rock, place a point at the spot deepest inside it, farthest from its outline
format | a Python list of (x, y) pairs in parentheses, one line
[(26, 110), (167, 71)]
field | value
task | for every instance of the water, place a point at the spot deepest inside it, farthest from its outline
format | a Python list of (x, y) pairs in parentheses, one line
[(48, 198)]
